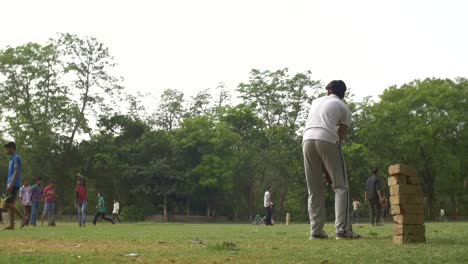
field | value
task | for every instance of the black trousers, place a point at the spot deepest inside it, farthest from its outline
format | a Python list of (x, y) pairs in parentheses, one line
[(103, 216), (269, 214), (374, 210), (115, 216)]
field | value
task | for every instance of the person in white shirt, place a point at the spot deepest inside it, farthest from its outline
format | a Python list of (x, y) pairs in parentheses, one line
[(268, 204), (442, 215), (327, 122), (356, 216), (115, 211), (25, 193)]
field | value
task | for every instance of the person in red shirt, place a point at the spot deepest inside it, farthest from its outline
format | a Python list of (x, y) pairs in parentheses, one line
[(50, 195), (81, 202)]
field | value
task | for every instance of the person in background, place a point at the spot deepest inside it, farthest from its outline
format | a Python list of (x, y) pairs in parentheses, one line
[(36, 197), (385, 207), (373, 197), (355, 215), (268, 204), (258, 220), (13, 185), (442, 215), (101, 210), (81, 202), (25, 194), (50, 195), (115, 211)]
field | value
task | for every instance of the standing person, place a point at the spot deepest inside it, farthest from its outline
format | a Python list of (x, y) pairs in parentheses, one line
[(442, 215), (115, 211), (327, 122), (101, 210), (81, 201), (50, 195), (36, 197), (373, 197), (356, 215), (384, 205), (25, 194), (13, 185), (268, 204)]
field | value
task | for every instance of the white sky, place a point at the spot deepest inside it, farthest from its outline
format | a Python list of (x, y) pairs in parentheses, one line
[(192, 45)]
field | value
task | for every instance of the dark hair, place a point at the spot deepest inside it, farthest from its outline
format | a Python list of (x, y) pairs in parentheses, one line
[(39, 178), (375, 171), (269, 187), (337, 87), (10, 145)]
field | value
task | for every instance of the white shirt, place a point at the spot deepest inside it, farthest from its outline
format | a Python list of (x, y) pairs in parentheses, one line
[(356, 205), (442, 212), (325, 115), (116, 208), (267, 199), (25, 193)]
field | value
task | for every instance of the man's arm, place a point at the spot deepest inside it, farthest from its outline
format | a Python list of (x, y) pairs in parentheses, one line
[(365, 197), (12, 183), (342, 132)]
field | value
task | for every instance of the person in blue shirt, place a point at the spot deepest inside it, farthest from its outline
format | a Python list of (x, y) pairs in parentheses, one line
[(13, 185)]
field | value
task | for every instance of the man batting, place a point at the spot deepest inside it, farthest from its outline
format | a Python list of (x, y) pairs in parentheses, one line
[(329, 117)]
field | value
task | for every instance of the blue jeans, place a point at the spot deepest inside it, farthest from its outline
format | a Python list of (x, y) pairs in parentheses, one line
[(34, 211), (49, 209), (82, 213)]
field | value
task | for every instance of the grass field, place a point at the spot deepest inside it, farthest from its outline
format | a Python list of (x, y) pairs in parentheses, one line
[(225, 243)]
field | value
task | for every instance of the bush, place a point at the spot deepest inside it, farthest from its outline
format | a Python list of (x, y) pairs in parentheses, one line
[(133, 213)]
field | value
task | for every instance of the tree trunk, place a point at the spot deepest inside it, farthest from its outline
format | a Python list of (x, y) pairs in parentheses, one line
[(251, 203), (165, 218)]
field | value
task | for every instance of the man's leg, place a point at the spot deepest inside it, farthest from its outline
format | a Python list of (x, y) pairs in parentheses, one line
[(371, 211), (96, 218), (334, 162), (270, 214), (80, 217), (106, 218), (28, 213), (34, 208), (117, 216), (378, 212), (84, 207), (315, 187), (52, 215), (11, 216)]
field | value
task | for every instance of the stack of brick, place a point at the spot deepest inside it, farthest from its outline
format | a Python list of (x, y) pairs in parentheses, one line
[(407, 205)]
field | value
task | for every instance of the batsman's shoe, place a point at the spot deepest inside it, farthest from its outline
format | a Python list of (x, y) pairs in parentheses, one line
[(322, 235), (347, 235)]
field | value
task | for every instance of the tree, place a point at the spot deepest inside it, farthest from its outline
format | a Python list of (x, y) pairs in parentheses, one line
[(35, 104), (171, 110), (422, 123)]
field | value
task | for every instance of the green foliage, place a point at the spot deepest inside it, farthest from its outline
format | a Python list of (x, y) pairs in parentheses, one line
[(133, 213)]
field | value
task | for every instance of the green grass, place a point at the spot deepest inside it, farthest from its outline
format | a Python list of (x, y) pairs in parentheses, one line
[(225, 243)]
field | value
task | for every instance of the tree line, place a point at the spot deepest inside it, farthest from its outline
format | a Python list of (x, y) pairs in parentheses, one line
[(211, 154)]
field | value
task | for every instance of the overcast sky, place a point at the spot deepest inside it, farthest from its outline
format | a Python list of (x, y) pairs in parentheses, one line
[(192, 45)]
